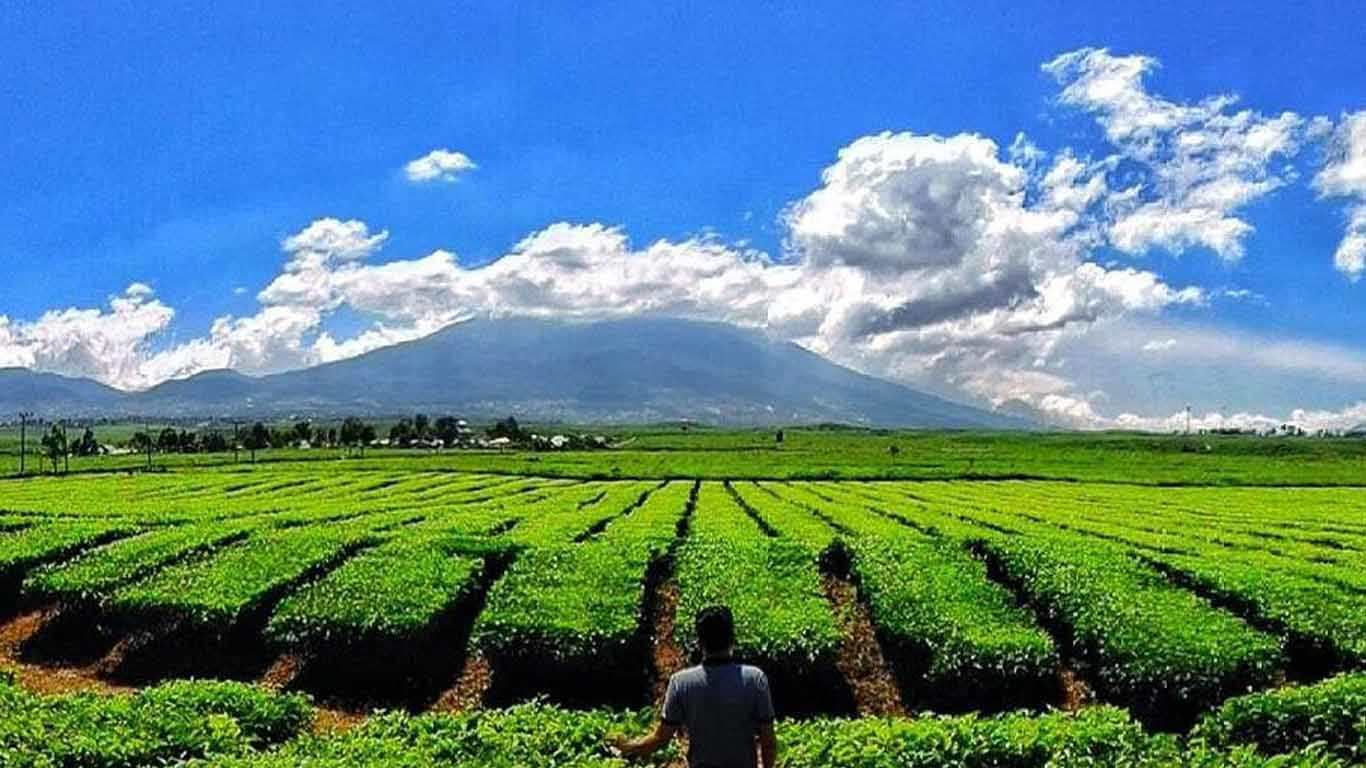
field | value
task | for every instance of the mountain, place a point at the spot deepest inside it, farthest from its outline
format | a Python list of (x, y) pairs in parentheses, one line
[(30, 391), (210, 392), (622, 371)]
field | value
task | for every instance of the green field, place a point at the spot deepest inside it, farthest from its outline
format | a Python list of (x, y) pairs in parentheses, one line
[(1032, 600), (816, 453)]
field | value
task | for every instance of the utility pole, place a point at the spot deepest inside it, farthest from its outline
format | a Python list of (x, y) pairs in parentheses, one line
[(24, 416)]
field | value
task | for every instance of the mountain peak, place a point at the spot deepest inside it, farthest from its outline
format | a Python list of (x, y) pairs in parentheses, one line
[(632, 370)]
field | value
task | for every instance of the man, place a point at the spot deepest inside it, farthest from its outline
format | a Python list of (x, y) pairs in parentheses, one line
[(723, 706)]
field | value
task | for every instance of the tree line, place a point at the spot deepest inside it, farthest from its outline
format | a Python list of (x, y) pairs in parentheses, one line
[(353, 432), (56, 446)]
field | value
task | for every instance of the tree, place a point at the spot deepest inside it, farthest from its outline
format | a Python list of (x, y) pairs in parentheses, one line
[(188, 443), (168, 441), (303, 432), (54, 445), (421, 426), (87, 445), (357, 433), (281, 438), (351, 430), (508, 428), (447, 429), (24, 416), (213, 442), (332, 436), (402, 433), (140, 442), (258, 438)]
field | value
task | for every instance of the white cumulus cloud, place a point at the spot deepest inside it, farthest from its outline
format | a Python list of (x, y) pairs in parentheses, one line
[(1158, 345), (1344, 175), (916, 256), (946, 262), (1345, 172), (1202, 162), (109, 345), (439, 165), (1307, 419)]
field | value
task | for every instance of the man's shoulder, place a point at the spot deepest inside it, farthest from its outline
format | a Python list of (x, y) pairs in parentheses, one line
[(687, 674), (751, 672), (698, 672)]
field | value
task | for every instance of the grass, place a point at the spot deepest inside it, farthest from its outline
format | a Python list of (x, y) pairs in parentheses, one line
[(389, 594), (228, 725), (955, 637), (576, 610), (164, 725), (771, 584), (1151, 646), (1172, 581), (813, 453)]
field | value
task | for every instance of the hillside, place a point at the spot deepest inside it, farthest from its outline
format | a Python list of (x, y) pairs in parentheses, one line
[(637, 370)]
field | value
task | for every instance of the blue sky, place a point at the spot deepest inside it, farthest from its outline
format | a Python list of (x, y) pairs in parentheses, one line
[(177, 147)]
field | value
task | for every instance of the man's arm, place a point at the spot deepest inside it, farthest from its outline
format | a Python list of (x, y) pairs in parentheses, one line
[(647, 746), (768, 745), (763, 716)]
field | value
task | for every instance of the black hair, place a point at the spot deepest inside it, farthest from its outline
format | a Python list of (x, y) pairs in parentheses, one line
[(716, 629)]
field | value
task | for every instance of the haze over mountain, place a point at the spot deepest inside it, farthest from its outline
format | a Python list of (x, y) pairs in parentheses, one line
[(634, 370)]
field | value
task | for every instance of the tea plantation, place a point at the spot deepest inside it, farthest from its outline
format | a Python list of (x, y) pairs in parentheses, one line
[(404, 613)]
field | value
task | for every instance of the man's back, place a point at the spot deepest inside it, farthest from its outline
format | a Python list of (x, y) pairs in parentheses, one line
[(721, 704)]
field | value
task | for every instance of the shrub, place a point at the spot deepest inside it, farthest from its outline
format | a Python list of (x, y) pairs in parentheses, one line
[(165, 724), (1148, 644), (1332, 713)]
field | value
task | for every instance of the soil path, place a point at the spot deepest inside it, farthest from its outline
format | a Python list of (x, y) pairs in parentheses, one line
[(861, 662), (469, 689), (1076, 693), (41, 678), (282, 672), (667, 655), (49, 680)]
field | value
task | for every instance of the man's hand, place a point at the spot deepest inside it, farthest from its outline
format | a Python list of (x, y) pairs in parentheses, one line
[(768, 745), (643, 747), (626, 747)]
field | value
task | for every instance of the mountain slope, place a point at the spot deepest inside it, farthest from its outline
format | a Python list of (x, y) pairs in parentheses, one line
[(39, 393), (635, 370)]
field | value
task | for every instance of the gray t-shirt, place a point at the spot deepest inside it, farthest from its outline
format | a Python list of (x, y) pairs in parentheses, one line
[(720, 705)]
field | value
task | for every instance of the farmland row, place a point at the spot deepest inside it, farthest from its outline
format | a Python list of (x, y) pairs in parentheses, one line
[(1315, 604), (155, 500), (569, 610), (1140, 640), (953, 636), (231, 725), (782, 619), (979, 594)]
